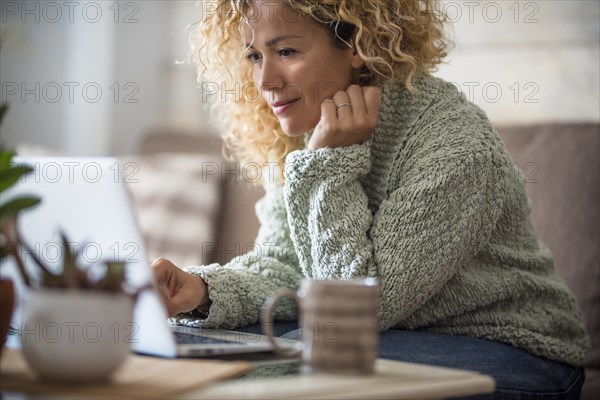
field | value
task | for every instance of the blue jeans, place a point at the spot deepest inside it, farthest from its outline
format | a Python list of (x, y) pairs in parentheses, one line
[(518, 374)]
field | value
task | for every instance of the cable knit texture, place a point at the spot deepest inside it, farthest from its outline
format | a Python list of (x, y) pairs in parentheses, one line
[(434, 207)]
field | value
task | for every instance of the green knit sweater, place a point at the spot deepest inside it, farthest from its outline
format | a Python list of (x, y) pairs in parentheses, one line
[(434, 207)]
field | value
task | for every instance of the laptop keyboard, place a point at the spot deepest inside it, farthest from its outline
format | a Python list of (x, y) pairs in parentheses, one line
[(186, 338)]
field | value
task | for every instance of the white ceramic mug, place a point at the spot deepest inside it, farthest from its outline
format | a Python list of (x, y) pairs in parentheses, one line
[(338, 318)]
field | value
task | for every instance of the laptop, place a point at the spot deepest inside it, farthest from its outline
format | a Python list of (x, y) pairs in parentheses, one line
[(87, 199)]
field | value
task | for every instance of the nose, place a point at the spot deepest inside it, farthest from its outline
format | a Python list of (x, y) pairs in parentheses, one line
[(269, 75)]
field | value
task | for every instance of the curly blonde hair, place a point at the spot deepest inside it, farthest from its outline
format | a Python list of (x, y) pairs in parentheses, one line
[(397, 39)]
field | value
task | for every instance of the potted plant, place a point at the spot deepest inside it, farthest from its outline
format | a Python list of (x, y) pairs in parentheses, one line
[(8, 212), (9, 175), (80, 317)]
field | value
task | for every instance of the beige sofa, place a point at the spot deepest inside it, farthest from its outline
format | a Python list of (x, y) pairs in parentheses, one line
[(559, 161)]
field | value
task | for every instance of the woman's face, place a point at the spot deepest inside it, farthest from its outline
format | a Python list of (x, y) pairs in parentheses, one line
[(294, 64)]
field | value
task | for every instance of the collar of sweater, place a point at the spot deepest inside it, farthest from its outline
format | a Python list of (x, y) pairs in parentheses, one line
[(400, 110)]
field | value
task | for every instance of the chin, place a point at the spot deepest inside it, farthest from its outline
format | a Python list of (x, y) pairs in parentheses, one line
[(295, 130)]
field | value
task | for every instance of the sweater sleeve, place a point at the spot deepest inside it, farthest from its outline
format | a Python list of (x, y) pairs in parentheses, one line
[(238, 289), (440, 214)]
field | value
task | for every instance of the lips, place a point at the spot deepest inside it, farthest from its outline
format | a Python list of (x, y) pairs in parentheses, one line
[(281, 106)]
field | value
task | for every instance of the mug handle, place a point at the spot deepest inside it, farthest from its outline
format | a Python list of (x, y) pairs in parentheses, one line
[(267, 321)]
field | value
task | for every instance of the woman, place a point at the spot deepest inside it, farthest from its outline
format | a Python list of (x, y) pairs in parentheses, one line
[(386, 171)]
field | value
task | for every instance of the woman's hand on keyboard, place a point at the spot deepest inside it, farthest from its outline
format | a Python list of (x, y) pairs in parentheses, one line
[(180, 291)]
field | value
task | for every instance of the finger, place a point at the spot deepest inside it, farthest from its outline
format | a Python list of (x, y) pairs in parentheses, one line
[(160, 268), (165, 285), (372, 95), (341, 98), (159, 272), (164, 275), (160, 261), (355, 93), (165, 300), (171, 284), (328, 113)]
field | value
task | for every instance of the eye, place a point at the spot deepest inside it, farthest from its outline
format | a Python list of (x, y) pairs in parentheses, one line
[(286, 52), (253, 56)]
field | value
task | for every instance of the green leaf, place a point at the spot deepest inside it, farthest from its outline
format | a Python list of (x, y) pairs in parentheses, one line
[(69, 273), (3, 110), (14, 206), (6, 156), (10, 174), (114, 278)]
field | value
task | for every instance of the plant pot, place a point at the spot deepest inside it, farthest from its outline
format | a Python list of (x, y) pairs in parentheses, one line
[(76, 336), (7, 303)]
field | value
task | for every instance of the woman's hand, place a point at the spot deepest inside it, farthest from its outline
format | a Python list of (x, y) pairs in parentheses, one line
[(180, 291), (349, 118)]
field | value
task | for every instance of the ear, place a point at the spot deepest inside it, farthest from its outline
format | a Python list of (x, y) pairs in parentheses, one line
[(357, 61)]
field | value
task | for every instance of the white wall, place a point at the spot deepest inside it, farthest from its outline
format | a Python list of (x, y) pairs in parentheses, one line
[(127, 50), (30, 55), (141, 56), (527, 61)]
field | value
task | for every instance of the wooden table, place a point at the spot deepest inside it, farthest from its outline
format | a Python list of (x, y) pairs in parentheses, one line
[(392, 380), (192, 379)]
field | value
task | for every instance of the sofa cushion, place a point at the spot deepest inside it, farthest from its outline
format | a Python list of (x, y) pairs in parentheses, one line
[(561, 166)]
